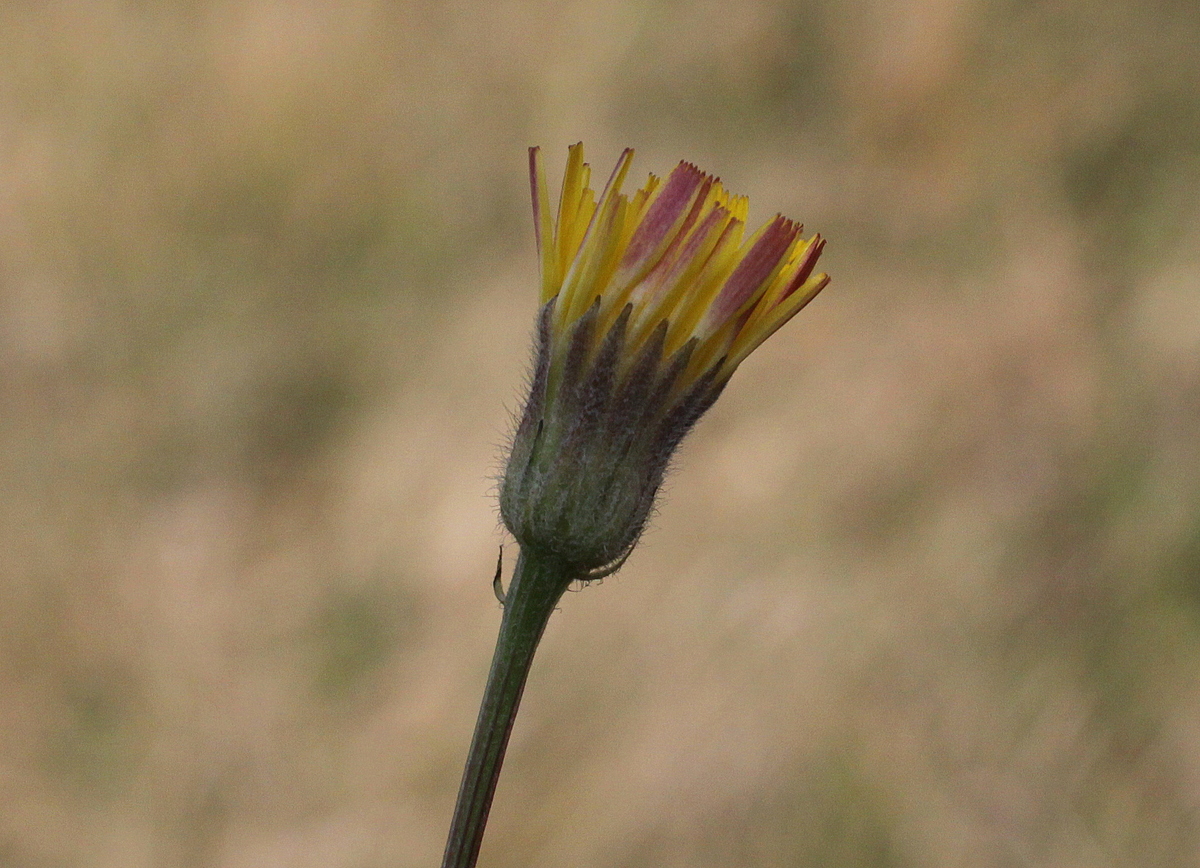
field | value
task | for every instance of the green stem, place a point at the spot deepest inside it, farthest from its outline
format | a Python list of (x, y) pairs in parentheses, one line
[(536, 587)]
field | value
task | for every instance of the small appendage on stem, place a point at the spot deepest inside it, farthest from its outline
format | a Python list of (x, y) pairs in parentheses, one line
[(497, 587)]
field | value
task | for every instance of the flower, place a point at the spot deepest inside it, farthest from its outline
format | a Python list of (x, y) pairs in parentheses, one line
[(649, 303)]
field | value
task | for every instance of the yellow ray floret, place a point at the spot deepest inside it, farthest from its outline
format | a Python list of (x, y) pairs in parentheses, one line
[(674, 252)]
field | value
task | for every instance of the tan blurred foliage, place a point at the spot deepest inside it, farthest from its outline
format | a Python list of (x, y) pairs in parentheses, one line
[(925, 588)]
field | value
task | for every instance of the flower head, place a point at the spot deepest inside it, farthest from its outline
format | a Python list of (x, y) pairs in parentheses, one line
[(650, 301)]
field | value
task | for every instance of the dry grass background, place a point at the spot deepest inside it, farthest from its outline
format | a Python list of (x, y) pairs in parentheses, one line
[(925, 589)]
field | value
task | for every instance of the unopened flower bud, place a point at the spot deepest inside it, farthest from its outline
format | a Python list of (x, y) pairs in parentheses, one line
[(648, 305)]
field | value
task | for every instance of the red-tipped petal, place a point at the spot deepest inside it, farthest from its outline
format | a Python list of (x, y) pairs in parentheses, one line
[(664, 213), (756, 266), (807, 263), (533, 195)]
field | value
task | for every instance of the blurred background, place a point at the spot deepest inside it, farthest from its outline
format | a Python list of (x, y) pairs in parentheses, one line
[(925, 586)]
